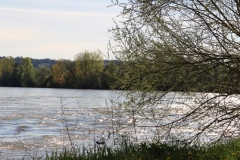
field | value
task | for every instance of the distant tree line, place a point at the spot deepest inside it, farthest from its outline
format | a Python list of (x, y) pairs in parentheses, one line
[(86, 71), (46, 62)]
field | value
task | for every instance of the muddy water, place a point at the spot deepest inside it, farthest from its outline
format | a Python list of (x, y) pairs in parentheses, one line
[(33, 121)]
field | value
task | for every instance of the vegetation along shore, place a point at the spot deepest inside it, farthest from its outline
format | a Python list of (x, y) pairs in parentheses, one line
[(161, 47)]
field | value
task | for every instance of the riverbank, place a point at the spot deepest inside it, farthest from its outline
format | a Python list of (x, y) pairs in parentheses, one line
[(155, 151)]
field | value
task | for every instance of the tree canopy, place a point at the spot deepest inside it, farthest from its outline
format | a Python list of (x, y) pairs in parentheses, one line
[(87, 71), (27, 73), (190, 46), (6, 71), (89, 66)]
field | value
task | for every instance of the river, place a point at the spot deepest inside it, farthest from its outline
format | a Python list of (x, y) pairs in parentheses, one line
[(34, 120)]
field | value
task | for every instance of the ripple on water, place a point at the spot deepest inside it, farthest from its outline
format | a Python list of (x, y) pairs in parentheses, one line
[(34, 118), (22, 128)]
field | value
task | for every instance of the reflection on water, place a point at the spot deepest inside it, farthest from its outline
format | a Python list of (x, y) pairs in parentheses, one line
[(33, 120)]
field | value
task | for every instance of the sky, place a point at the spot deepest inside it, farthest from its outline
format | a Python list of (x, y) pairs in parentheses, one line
[(55, 29)]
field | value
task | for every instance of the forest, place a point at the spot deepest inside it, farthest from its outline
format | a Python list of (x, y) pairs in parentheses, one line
[(88, 70)]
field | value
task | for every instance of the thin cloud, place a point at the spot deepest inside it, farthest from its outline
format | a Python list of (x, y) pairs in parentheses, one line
[(54, 30), (85, 14)]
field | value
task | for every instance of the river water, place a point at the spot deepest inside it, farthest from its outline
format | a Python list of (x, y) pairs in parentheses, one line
[(36, 121), (33, 120)]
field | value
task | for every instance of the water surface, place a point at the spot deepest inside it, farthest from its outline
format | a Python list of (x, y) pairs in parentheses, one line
[(34, 120)]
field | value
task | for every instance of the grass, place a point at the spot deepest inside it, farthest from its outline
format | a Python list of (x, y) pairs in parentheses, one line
[(222, 151)]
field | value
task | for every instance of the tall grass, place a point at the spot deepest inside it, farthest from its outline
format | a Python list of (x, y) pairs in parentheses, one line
[(155, 151)]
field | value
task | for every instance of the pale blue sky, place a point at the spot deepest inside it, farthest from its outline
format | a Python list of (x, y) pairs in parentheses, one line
[(54, 28)]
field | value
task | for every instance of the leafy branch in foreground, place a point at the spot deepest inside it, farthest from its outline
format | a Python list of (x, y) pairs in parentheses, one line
[(188, 46)]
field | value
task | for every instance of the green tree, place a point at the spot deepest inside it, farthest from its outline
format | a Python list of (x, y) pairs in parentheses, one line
[(89, 67), (6, 71), (58, 73), (109, 78), (42, 74), (27, 73), (70, 74), (187, 46)]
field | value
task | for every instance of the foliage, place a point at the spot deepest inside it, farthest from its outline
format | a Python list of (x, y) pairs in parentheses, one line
[(189, 46), (89, 67), (27, 72), (70, 75), (108, 77), (87, 71), (42, 74), (58, 73), (37, 63), (6, 71), (154, 151)]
